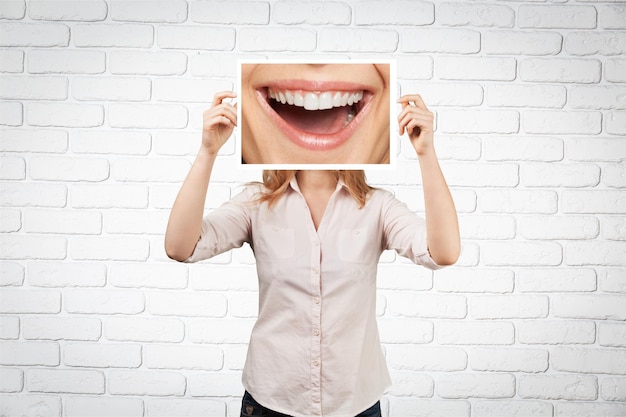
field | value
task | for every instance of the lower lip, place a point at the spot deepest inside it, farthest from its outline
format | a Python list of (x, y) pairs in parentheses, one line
[(315, 142)]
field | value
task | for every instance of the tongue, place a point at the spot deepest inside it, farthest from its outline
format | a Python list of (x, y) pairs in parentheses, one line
[(320, 122)]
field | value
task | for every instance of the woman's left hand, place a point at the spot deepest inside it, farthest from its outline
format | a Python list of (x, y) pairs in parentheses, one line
[(418, 122)]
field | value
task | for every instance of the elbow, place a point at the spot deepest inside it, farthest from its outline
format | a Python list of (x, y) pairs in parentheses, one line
[(447, 257), (175, 252)]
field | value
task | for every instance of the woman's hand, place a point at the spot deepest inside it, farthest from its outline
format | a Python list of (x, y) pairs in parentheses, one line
[(418, 122), (218, 122)]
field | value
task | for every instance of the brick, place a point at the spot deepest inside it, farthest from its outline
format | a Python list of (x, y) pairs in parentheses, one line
[(75, 10), (613, 281), (11, 113), (509, 360), (515, 42), (593, 202), (556, 332), (65, 381), (614, 175), (457, 41), (312, 13), (596, 253), (109, 196), (478, 121), (498, 408), (215, 384), (517, 201), (188, 90), (179, 143), (589, 361), (559, 227), (140, 275), (30, 353), (596, 149), (153, 170), (597, 97), (476, 385), (110, 142), (221, 331), (187, 407), (148, 116), (464, 332), (104, 301), (581, 409), (101, 406), (560, 175), (475, 68), (223, 12), (357, 40), (430, 306), (592, 43), (61, 328), (187, 304), (111, 88), (474, 280), (414, 67), (481, 174), (395, 12), (503, 95), (102, 355), (600, 307), (614, 70), (19, 87), (138, 329), (521, 253), (136, 223), (411, 384), (33, 140), (557, 122), (401, 277), (558, 387), (522, 148), (146, 383), (154, 11), (508, 306), (13, 9), (33, 194), (33, 247), (612, 16), (411, 407), (147, 62), (612, 334), (9, 327), (10, 220), (206, 358), (34, 34), (218, 64), (196, 37), (456, 147), (613, 389), (64, 114), (69, 168), (560, 70), (446, 94), (66, 274), (394, 330), (43, 61), (557, 17), (113, 35), (31, 405), (483, 15), (11, 380), (11, 60), (13, 168)]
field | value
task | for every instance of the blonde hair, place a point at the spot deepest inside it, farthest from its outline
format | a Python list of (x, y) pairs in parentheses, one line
[(277, 181)]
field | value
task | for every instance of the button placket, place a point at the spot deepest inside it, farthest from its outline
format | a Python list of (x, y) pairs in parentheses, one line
[(316, 315)]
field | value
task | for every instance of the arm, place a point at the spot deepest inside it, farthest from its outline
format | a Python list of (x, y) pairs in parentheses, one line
[(442, 226), (185, 222)]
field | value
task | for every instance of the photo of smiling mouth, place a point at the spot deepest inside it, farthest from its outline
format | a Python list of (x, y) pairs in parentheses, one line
[(316, 119)]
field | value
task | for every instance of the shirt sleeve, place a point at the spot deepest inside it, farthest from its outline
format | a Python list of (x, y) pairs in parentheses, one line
[(405, 232), (226, 227)]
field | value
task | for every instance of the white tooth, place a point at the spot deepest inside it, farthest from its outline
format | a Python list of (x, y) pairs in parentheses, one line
[(350, 99), (337, 100), (272, 94), (311, 101), (289, 96), (298, 99), (282, 97), (326, 101), (344, 99), (359, 96)]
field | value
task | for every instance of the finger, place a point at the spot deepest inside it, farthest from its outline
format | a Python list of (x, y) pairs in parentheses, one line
[(413, 98), (219, 97)]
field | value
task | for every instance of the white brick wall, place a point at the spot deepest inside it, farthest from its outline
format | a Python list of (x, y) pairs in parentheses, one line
[(100, 106)]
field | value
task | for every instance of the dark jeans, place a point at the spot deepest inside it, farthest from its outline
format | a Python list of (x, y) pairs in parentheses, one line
[(250, 408)]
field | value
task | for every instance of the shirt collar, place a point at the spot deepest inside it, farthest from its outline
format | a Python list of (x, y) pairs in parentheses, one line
[(294, 184)]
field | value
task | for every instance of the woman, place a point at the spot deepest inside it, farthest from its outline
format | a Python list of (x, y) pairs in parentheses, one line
[(317, 237)]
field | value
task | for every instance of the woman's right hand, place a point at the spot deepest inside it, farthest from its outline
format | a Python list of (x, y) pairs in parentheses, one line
[(218, 122)]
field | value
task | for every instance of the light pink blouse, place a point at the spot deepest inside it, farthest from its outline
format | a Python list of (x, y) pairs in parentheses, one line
[(315, 350)]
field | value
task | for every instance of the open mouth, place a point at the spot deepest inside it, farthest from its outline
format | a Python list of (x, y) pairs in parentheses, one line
[(316, 119)]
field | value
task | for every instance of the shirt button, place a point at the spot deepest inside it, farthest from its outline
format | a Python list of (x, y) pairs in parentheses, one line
[(316, 300), (316, 332), (316, 363), (316, 270)]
